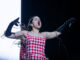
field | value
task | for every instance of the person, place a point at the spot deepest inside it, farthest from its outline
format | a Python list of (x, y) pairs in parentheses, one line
[(32, 40)]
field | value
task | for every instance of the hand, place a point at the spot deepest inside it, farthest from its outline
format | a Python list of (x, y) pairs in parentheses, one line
[(15, 22), (71, 21)]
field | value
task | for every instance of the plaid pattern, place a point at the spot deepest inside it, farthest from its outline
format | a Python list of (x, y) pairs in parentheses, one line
[(34, 48)]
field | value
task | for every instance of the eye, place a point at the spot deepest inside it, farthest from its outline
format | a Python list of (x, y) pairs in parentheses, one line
[(36, 18)]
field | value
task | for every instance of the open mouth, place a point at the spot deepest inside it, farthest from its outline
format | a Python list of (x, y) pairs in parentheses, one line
[(39, 23)]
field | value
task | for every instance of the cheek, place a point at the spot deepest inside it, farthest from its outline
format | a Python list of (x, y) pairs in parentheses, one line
[(35, 23)]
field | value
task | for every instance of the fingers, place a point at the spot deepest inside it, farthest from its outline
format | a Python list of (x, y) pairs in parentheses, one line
[(16, 20), (72, 19), (16, 24)]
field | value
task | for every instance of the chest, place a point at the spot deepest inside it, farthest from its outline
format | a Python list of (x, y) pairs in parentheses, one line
[(35, 39)]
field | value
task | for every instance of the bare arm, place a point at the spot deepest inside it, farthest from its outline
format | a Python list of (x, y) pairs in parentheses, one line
[(50, 35), (17, 35), (61, 29)]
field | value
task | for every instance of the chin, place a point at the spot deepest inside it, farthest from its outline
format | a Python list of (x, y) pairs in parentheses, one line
[(38, 27)]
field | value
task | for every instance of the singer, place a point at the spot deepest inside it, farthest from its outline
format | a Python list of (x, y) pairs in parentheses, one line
[(32, 40)]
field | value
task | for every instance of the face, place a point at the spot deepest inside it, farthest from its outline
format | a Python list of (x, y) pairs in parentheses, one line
[(36, 23)]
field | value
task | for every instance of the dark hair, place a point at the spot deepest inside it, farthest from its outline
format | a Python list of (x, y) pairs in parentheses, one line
[(28, 27)]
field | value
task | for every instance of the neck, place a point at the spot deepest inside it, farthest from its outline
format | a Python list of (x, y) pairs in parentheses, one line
[(35, 30)]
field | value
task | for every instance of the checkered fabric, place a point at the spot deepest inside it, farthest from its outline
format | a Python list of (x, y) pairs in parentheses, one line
[(34, 48)]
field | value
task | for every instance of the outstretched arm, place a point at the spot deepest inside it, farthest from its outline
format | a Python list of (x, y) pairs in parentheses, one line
[(50, 35), (61, 29)]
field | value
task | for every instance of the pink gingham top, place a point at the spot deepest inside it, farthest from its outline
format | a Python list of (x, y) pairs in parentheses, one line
[(34, 48)]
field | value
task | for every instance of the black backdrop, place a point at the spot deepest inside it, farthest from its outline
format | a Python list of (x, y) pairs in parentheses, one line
[(54, 13)]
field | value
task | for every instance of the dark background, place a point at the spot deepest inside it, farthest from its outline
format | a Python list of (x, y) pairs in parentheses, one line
[(54, 13)]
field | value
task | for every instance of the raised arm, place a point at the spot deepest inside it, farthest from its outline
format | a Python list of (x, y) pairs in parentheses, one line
[(16, 35)]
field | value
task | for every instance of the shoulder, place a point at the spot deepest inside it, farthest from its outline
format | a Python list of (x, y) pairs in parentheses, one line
[(24, 32), (44, 33)]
